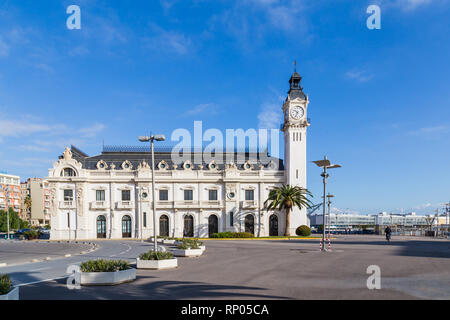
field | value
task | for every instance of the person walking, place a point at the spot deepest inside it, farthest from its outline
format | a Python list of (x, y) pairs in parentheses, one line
[(388, 233)]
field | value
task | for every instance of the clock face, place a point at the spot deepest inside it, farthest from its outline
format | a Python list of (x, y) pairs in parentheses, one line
[(297, 112)]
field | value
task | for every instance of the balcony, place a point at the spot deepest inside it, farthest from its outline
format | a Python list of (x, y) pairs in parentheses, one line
[(67, 205), (99, 205), (249, 204), (187, 204), (124, 205), (212, 204)]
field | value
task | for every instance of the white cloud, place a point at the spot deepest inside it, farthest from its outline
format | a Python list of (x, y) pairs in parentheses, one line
[(169, 42), (270, 116), (431, 131), (44, 137), (359, 75), (92, 131), (205, 108), (4, 48)]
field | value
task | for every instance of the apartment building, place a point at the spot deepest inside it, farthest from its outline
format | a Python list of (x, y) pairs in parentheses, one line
[(10, 192), (39, 193)]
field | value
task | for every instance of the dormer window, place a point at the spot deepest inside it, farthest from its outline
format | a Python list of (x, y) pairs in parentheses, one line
[(127, 165), (187, 165), (68, 172)]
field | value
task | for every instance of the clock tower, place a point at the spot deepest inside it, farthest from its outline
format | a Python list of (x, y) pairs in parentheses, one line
[(295, 127)]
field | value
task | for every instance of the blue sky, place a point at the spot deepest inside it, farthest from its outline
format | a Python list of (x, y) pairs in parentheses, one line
[(379, 98)]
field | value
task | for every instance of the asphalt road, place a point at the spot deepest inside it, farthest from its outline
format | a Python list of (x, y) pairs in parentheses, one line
[(20, 252), (411, 268), (25, 274)]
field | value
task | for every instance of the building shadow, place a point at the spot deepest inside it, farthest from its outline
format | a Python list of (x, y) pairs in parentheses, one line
[(144, 288)]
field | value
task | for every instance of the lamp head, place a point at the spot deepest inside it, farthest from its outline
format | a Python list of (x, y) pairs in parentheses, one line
[(144, 139), (159, 137)]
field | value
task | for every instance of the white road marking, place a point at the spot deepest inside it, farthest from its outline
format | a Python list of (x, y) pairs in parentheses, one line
[(123, 252), (40, 281)]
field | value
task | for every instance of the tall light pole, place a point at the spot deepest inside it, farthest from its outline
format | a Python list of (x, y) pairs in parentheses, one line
[(6, 191), (447, 211), (158, 137), (325, 164), (329, 196)]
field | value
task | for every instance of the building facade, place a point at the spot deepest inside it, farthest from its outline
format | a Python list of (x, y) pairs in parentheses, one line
[(10, 192), (38, 192), (382, 219), (110, 195)]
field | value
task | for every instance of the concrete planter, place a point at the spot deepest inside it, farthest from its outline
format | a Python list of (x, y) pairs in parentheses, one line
[(12, 295), (187, 253), (157, 264), (107, 278), (169, 241), (203, 248)]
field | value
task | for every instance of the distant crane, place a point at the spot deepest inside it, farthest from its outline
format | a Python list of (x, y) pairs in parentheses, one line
[(314, 208)]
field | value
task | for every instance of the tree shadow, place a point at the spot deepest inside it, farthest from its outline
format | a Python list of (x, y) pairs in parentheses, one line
[(144, 288)]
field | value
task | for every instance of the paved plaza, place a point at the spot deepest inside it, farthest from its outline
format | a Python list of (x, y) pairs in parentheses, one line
[(411, 268)]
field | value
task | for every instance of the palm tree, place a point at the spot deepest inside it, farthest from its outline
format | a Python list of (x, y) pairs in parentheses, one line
[(28, 203), (285, 198)]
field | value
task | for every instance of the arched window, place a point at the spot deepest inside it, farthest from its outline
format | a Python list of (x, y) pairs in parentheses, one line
[(68, 172), (164, 226), (101, 227), (273, 225), (250, 224), (213, 225), (126, 227), (188, 226)]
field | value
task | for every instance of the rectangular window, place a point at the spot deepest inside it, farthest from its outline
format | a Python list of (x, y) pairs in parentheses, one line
[(188, 195), (163, 195), (145, 219), (249, 195), (68, 195), (126, 195), (100, 195), (212, 195), (231, 219)]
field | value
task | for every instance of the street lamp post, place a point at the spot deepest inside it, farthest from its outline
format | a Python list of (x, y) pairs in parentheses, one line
[(325, 164), (6, 191), (159, 137), (329, 196)]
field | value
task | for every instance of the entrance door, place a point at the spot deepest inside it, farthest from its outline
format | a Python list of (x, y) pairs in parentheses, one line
[(164, 226), (250, 224), (188, 226), (273, 225), (126, 227), (213, 225), (101, 227)]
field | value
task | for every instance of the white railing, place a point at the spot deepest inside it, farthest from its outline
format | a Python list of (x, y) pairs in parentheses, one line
[(124, 205), (67, 204), (99, 205)]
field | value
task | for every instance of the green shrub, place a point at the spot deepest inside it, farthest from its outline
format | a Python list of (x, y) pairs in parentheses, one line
[(5, 284), (303, 231), (223, 235), (32, 235), (189, 244), (103, 265), (152, 255)]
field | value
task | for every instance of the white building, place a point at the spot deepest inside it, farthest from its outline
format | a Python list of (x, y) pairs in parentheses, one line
[(109, 195)]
